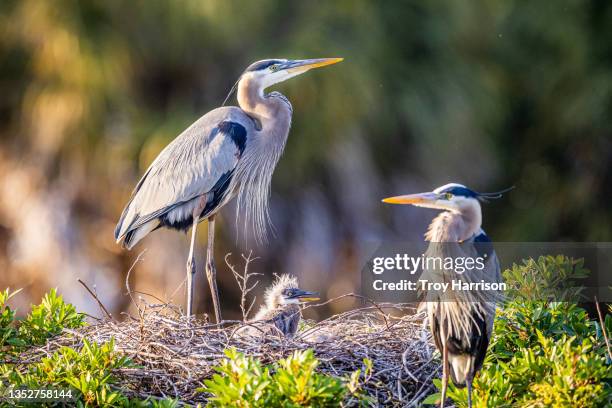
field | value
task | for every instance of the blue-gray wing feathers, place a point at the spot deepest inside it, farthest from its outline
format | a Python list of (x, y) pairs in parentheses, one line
[(200, 161)]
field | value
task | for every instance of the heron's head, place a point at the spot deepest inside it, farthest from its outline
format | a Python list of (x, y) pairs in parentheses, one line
[(268, 72), (452, 197), (297, 295), (285, 291)]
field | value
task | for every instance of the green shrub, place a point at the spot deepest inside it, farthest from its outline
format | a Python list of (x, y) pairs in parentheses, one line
[(9, 338), (549, 278), (45, 320), (242, 381), (49, 319), (88, 371)]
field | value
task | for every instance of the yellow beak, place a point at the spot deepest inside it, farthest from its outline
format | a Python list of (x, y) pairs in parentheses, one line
[(411, 199), (307, 296), (301, 66)]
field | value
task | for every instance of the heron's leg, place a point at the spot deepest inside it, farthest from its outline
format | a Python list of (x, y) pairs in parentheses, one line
[(211, 271), (424, 335), (191, 267), (468, 381), (444, 374)]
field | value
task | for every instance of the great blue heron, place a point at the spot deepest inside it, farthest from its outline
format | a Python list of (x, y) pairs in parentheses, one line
[(282, 306), (227, 152), (460, 321)]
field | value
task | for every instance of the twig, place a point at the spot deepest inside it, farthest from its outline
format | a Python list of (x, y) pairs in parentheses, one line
[(603, 327), (127, 279), (96, 298), (163, 302), (242, 279), (405, 364)]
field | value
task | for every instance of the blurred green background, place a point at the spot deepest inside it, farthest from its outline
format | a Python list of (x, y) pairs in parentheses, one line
[(486, 93)]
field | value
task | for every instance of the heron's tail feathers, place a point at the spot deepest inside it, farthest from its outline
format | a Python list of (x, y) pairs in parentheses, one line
[(132, 237), (125, 222)]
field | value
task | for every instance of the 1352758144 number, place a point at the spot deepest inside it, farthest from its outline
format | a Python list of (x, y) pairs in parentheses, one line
[(38, 394)]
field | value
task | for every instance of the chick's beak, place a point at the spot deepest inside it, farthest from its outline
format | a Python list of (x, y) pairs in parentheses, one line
[(306, 296), (301, 66), (420, 198)]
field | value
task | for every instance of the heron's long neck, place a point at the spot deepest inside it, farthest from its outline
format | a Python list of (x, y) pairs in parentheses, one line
[(454, 227), (272, 111)]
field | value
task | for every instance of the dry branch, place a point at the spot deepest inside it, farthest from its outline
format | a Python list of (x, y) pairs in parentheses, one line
[(242, 279)]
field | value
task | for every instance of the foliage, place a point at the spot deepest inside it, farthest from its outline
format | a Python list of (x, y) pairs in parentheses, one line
[(551, 278), (45, 320), (543, 353), (242, 381), (88, 370), (8, 333), (49, 318)]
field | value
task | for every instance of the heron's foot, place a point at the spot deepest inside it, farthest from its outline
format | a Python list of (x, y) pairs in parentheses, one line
[(211, 270), (191, 266), (203, 317)]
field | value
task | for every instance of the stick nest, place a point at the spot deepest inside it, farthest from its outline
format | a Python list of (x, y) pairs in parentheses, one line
[(175, 355)]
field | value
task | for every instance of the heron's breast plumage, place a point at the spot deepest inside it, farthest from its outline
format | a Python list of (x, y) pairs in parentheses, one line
[(286, 319), (461, 321)]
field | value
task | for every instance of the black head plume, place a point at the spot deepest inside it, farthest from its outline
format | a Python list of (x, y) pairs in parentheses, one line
[(493, 196), (231, 92)]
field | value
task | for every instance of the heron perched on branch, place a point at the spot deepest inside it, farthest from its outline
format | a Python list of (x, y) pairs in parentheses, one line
[(230, 151), (460, 321), (282, 306)]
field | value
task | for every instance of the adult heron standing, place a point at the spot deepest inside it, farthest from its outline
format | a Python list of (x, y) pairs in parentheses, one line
[(230, 151), (460, 321)]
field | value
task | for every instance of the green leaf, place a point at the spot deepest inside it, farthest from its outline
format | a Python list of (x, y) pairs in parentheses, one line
[(432, 399)]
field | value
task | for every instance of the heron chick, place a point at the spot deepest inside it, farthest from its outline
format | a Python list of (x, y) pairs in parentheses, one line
[(230, 151), (281, 311), (460, 322)]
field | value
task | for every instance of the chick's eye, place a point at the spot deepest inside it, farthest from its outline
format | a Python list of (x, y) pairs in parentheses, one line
[(274, 67), (449, 196)]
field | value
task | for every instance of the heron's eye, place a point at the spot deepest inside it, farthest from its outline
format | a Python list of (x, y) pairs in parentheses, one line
[(448, 196), (274, 67)]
